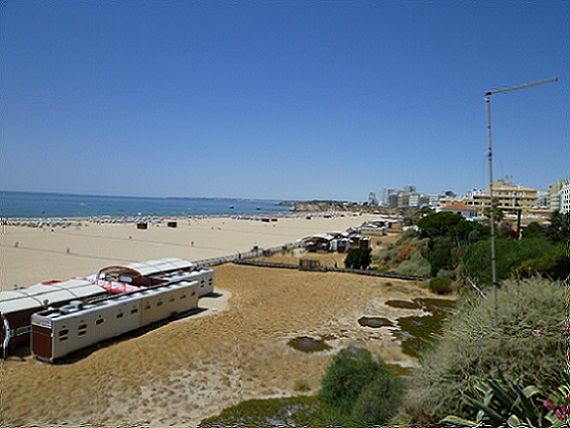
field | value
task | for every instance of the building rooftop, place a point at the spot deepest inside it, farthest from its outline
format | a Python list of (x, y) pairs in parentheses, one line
[(458, 206)]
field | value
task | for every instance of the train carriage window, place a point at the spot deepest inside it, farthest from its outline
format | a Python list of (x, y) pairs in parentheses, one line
[(63, 332), (82, 333), (183, 296), (134, 311), (193, 293), (120, 315), (171, 299), (62, 339), (82, 327), (99, 321), (159, 303), (147, 306)]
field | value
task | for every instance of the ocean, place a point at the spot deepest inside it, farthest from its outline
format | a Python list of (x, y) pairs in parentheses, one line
[(29, 204)]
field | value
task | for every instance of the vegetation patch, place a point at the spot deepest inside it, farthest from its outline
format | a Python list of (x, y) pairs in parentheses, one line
[(275, 412), (360, 389), (441, 285), (527, 347)]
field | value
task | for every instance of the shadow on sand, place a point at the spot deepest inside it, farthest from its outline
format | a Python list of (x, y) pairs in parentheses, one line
[(22, 351)]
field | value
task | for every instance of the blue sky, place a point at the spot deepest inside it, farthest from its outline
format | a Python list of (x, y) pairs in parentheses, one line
[(285, 100)]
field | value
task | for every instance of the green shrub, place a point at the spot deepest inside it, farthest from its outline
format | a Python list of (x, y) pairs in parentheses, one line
[(534, 230), (441, 285), (439, 255), (554, 264), (510, 254), (350, 371), (379, 401), (559, 229), (360, 388), (527, 347), (358, 258)]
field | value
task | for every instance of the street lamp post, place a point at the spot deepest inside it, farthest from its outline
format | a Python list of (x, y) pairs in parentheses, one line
[(488, 95)]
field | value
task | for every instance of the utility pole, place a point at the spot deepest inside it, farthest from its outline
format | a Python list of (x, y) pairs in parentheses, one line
[(488, 95)]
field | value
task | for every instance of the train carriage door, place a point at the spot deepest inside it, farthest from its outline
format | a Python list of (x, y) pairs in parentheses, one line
[(42, 339)]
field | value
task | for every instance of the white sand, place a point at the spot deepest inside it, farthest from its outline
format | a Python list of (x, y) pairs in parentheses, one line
[(42, 254)]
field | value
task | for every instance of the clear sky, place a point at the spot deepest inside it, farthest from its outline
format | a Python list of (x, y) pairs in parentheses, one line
[(282, 100)]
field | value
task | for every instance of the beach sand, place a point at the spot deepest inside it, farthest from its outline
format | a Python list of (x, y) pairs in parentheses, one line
[(191, 368), (30, 255)]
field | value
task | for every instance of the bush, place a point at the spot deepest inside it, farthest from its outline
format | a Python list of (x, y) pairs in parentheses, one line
[(510, 254), (360, 388), (350, 371), (555, 264), (534, 230), (527, 348), (559, 229), (379, 401), (415, 265), (441, 285), (440, 255), (358, 258)]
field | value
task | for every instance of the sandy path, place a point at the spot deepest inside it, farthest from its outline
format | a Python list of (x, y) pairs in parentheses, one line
[(191, 368)]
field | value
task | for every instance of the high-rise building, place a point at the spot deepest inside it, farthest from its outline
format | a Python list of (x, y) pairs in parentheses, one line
[(565, 198), (554, 198), (384, 196), (372, 199), (414, 199)]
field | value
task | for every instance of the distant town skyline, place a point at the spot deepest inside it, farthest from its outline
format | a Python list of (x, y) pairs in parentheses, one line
[(281, 101)]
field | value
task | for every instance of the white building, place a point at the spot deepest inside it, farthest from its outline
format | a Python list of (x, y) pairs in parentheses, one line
[(414, 200), (565, 198), (460, 208)]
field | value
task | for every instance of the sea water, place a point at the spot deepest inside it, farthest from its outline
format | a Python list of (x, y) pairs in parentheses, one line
[(28, 204)]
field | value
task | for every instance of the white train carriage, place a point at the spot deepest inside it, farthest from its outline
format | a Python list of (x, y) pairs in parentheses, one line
[(59, 332)]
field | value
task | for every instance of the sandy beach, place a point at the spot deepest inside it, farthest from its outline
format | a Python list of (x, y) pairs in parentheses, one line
[(191, 368), (29, 255)]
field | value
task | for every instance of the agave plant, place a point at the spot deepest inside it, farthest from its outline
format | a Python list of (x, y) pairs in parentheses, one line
[(503, 403)]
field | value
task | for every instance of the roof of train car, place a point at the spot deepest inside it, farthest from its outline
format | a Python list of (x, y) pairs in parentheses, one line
[(153, 267), (37, 295), (163, 265), (65, 312)]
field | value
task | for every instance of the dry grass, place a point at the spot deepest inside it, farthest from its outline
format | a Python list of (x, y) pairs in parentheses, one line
[(189, 369)]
